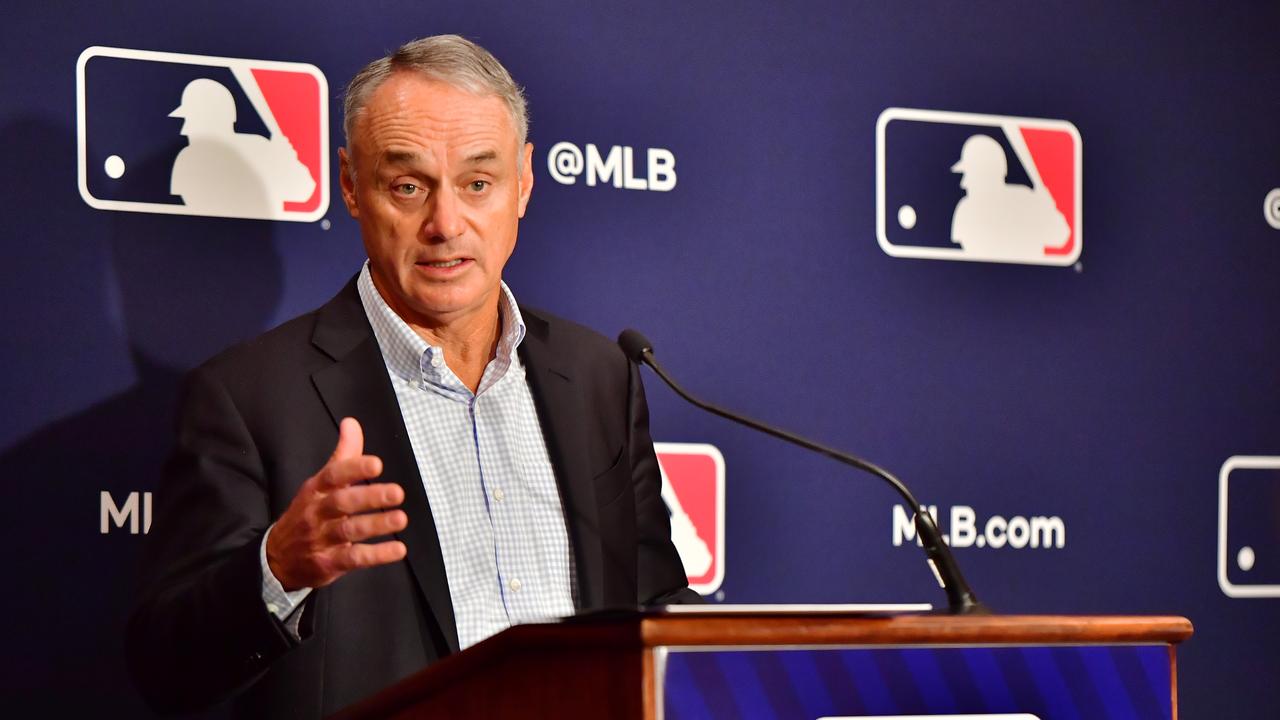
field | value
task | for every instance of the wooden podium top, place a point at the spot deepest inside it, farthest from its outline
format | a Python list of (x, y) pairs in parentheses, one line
[(836, 629), (656, 628), (617, 643)]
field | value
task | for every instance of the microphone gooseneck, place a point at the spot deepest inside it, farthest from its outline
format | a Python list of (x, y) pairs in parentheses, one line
[(960, 598)]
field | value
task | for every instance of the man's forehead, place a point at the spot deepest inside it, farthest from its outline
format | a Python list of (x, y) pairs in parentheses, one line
[(409, 105)]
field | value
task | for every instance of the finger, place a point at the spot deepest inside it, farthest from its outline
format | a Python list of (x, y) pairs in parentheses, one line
[(361, 498), (348, 471), (354, 528), (363, 555), (350, 440)]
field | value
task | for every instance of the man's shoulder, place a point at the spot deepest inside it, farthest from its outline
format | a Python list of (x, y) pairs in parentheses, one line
[(287, 348), (564, 335), (574, 350), (265, 364), (274, 344)]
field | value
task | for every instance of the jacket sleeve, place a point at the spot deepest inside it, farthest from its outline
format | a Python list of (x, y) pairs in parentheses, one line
[(661, 575), (200, 630)]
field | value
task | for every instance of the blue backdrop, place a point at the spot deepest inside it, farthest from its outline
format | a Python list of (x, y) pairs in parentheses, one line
[(1107, 394)]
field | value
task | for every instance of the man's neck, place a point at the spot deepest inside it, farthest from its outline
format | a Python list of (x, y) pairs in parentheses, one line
[(469, 344), (469, 340)]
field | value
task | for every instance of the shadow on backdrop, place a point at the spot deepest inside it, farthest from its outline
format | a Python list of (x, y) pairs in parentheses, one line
[(185, 288)]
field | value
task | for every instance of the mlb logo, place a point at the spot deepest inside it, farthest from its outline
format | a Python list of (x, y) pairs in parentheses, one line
[(197, 135), (693, 489), (1249, 526), (991, 188)]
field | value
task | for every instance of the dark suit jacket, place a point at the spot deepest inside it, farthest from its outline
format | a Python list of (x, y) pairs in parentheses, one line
[(261, 418)]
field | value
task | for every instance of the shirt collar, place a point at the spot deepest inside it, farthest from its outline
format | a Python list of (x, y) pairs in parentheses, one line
[(411, 357)]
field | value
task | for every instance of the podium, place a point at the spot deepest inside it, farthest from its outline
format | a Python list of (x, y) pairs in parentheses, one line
[(803, 664)]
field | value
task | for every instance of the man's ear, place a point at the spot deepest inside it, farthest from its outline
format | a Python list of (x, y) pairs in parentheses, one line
[(526, 179), (347, 180)]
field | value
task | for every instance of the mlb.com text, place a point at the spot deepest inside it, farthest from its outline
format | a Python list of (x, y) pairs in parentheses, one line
[(964, 530)]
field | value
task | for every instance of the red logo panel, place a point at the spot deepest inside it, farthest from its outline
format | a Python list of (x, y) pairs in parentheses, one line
[(693, 488)]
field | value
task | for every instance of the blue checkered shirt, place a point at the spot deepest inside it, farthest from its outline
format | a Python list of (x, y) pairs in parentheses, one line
[(484, 464)]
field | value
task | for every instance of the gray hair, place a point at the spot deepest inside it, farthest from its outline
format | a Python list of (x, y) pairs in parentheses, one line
[(451, 59)]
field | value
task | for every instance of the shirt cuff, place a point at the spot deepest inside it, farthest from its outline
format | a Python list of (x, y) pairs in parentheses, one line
[(284, 604)]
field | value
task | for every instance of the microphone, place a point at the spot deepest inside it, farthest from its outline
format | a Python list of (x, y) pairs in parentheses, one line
[(960, 599)]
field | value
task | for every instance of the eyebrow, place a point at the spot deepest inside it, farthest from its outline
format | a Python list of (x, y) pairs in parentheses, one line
[(482, 157), (399, 156)]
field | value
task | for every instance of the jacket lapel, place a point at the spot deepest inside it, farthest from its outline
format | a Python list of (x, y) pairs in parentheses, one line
[(560, 409), (356, 385)]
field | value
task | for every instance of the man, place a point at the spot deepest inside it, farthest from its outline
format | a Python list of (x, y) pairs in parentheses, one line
[(492, 465)]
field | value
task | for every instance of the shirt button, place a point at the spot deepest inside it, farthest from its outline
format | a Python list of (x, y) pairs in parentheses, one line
[(273, 608), (498, 494), (515, 585), (436, 360)]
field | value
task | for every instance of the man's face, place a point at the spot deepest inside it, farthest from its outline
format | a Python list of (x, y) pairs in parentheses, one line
[(438, 193)]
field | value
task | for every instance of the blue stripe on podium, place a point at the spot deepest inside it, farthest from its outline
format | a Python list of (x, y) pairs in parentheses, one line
[(1053, 682)]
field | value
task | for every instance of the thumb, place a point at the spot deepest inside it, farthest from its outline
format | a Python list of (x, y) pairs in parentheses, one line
[(350, 439)]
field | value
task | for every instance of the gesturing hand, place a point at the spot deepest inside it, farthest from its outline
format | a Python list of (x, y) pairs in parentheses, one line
[(317, 539)]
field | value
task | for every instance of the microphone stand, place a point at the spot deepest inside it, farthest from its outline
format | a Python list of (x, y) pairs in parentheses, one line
[(960, 598)]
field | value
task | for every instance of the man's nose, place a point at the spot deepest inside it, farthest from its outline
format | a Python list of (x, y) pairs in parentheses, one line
[(446, 221)]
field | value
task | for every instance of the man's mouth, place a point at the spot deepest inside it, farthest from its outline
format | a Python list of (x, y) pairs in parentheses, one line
[(444, 263)]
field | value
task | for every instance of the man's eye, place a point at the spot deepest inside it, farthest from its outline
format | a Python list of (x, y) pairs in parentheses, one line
[(478, 185), (406, 189)]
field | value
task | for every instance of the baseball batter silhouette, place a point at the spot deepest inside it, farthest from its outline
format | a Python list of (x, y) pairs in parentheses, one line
[(999, 221), (222, 172)]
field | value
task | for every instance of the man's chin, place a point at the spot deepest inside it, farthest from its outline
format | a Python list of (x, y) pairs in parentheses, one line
[(436, 309)]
